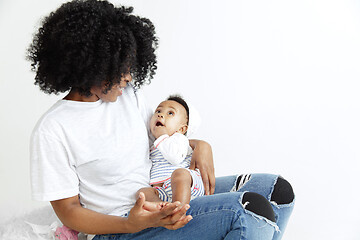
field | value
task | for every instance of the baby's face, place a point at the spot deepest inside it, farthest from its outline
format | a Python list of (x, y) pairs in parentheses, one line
[(168, 118)]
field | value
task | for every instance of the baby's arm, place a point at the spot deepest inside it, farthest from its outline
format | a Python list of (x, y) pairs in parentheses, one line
[(174, 148)]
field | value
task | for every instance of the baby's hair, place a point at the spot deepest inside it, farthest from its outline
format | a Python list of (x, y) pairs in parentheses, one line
[(179, 99)]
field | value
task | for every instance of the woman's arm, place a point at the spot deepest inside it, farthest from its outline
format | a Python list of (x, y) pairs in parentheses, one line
[(202, 159), (142, 215)]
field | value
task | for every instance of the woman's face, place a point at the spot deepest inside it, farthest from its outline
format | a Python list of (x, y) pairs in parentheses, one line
[(114, 92)]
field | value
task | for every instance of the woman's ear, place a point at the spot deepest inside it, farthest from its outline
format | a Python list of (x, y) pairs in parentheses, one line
[(183, 129)]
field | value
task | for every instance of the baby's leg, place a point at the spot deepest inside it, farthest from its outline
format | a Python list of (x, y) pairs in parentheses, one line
[(151, 194), (181, 182)]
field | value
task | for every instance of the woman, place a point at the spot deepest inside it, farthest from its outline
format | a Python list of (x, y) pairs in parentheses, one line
[(90, 151)]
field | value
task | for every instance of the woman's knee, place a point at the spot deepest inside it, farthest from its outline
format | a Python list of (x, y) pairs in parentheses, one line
[(258, 204), (283, 192)]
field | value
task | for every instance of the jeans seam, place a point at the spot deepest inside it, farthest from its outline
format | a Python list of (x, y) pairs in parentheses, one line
[(217, 210), (237, 217)]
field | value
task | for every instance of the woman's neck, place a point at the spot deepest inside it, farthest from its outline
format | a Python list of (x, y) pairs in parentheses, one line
[(74, 95)]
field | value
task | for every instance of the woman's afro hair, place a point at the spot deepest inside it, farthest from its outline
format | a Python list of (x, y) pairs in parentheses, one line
[(87, 43)]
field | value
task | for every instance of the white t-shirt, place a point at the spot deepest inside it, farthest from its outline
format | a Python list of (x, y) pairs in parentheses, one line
[(98, 150)]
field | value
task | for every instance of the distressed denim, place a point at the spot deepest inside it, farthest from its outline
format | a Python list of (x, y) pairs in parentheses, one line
[(222, 215), (262, 184)]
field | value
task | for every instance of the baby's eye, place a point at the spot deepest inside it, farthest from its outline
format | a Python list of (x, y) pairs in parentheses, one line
[(171, 113), (157, 111)]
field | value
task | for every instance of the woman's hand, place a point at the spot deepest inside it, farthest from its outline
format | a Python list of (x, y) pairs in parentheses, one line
[(202, 159), (157, 214)]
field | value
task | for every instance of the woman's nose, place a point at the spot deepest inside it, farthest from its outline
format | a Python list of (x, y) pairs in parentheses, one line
[(127, 77)]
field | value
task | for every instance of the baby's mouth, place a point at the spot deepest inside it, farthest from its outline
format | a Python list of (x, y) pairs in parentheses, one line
[(159, 124)]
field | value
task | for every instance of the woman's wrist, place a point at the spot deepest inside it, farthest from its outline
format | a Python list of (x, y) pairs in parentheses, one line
[(129, 227), (193, 143), (200, 145)]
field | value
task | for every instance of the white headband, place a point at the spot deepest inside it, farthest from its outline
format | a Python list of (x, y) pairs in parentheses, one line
[(194, 121)]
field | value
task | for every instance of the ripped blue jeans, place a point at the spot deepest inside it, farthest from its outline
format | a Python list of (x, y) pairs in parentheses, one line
[(223, 215)]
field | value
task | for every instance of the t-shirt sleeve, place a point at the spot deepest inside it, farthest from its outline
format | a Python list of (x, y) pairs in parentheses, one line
[(149, 115), (146, 112), (53, 177)]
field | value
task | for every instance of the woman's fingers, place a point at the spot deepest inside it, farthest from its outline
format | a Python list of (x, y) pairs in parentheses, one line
[(205, 179), (179, 224), (208, 178), (212, 183), (169, 209), (170, 216), (206, 186), (202, 159), (175, 217), (209, 181)]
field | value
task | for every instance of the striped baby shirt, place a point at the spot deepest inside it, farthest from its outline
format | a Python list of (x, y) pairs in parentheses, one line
[(168, 154)]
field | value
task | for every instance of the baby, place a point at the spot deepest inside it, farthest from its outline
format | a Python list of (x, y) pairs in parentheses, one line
[(170, 176)]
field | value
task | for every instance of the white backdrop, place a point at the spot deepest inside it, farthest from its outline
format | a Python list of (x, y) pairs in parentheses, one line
[(276, 83)]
